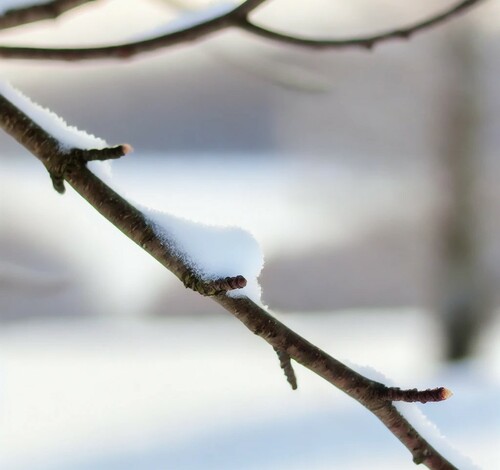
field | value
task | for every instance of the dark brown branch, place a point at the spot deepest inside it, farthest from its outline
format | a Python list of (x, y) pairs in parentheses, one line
[(109, 153), (367, 42), (375, 396), (238, 18), (123, 51), (73, 157), (371, 394), (421, 396), (33, 13), (193, 281)]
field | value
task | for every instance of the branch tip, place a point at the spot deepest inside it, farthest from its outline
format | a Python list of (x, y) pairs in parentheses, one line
[(108, 153), (446, 393), (127, 148), (286, 365), (431, 395), (217, 286), (57, 183), (237, 282)]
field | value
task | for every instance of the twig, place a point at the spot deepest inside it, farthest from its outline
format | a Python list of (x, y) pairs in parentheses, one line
[(367, 42), (127, 50), (72, 167), (236, 18), (38, 12), (375, 396), (421, 396), (372, 395), (286, 365)]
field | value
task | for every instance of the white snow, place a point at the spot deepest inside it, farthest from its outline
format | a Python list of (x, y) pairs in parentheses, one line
[(68, 136), (433, 435), (213, 252), (415, 415), (16, 4)]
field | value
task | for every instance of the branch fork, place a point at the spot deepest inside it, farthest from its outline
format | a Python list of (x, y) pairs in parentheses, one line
[(238, 17), (61, 165)]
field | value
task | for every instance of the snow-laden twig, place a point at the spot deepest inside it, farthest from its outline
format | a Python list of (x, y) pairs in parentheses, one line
[(226, 255), (237, 17), (65, 154), (68, 136), (374, 395)]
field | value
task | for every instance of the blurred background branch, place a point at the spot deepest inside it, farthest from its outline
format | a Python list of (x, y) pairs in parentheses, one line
[(30, 13), (200, 27)]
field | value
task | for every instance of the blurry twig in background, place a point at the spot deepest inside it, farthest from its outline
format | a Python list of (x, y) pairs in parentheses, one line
[(237, 17), (367, 42), (37, 12)]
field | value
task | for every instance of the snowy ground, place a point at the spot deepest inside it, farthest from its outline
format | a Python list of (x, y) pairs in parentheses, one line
[(205, 394)]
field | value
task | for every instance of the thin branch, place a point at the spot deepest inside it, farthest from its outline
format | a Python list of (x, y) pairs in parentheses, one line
[(72, 167), (286, 365), (38, 12), (367, 42), (127, 50), (236, 18), (421, 396), (375, 396), (109, 153)]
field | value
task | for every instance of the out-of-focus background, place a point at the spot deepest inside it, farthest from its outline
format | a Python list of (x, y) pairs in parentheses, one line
[(368, 178)]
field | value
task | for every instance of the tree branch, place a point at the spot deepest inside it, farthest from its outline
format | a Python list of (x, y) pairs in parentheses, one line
[(236, 18), (127, 50), (38, 12), (71, 167), (367, 42)]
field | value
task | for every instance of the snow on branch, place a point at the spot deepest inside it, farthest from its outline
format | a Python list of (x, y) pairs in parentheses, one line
[(217, 18), (184, 249), (65, 152), (212, 252), (67, 136)]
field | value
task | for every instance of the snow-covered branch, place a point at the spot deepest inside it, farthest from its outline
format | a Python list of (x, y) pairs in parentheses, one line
[(217, 18), (45, 137), (65, 152)]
